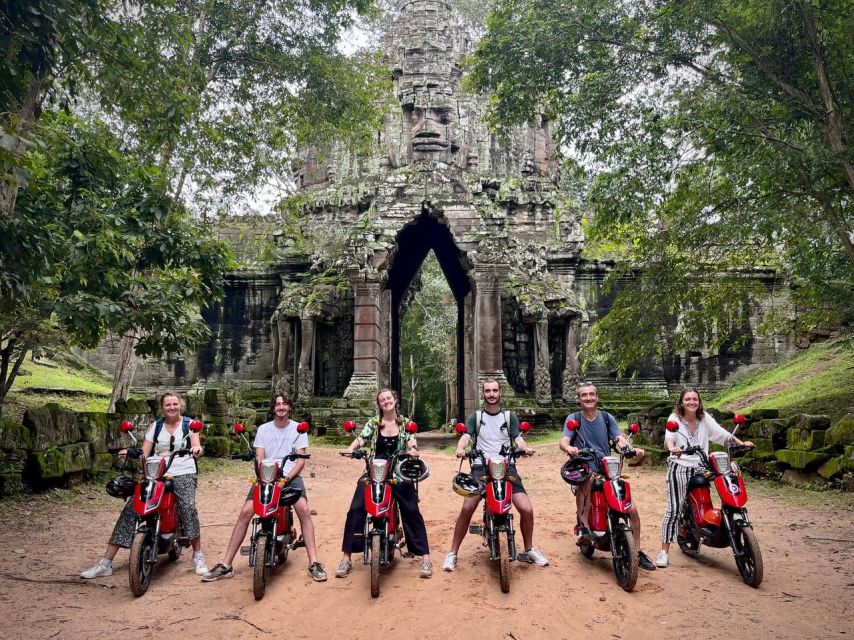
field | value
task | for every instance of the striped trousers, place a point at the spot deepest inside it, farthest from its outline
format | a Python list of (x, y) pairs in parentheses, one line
[(677, 482)]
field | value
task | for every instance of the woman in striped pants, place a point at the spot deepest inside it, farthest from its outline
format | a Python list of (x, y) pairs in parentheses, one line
[(696, 428)]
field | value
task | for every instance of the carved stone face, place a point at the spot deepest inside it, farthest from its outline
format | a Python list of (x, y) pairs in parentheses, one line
[(432, 132)]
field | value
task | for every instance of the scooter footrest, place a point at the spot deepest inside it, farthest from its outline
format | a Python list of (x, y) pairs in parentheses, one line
[(184, 542), (407, 554), (245, 551), (298, 544), (476, 528)]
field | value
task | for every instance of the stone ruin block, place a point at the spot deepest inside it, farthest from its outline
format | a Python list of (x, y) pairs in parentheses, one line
[(14, 436), (51, 426), (763, 414), (804, 439), (810, 423), (774, 430), (58, 462), (803, 460), (842, 433)]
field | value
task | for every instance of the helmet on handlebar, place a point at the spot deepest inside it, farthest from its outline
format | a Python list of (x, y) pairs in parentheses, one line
[(413, 470), (575, 471), (467, 485), (289, 496), (121, 487)]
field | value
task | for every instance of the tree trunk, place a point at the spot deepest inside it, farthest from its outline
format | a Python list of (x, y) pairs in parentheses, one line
[(125, 368), (14, 354), (26, 119)]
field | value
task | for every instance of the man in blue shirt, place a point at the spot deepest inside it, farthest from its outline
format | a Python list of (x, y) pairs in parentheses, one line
[(596, 430)]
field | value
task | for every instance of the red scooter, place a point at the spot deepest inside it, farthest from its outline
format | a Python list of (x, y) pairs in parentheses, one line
[(273, 530), (383, 532), (158, 521), (610, 502), (701, 523), (499, 535)]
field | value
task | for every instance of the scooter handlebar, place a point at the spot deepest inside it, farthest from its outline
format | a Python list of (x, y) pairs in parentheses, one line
[(246, 456)]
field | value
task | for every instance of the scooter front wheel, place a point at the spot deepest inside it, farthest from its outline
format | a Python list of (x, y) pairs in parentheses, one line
[(748, 557), (375, 566), (259, 577), (504, 560), (688, 544), (140, 569), (625, 559)]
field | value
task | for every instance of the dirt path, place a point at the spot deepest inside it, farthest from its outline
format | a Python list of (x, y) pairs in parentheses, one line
[(807, 592)]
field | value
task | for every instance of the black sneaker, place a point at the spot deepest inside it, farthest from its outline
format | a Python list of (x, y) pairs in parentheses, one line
[(644, 562), (219, 572), (317, 572)]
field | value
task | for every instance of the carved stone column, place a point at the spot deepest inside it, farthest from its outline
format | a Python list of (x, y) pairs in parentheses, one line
[(282, 345), (542, 377), (572, 370), (305, 372), (487, 321), (366, 344)]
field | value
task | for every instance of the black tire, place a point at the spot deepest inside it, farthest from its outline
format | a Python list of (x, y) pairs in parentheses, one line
[(749, 563), (626, 559), (504, 560), (261, 570), (688, 544), (140, 569), (375, 566)]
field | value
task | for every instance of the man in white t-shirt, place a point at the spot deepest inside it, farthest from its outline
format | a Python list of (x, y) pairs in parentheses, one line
[(275, 439), (491, 429)]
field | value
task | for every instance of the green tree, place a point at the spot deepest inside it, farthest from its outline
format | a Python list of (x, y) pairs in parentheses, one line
[(116, 252), (714, 139), (428, 346)]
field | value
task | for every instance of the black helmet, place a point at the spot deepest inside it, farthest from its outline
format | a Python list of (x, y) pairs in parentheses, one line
[(413, 470), (121, 487), (467, 485), (575, 471), (289, 496)]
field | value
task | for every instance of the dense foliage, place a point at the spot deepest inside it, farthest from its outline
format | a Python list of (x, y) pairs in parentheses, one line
[(713, 140)]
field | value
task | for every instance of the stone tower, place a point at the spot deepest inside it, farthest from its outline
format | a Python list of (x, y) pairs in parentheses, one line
[(436, 179)]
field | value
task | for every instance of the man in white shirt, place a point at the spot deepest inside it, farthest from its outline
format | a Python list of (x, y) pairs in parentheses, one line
[(275, 439)]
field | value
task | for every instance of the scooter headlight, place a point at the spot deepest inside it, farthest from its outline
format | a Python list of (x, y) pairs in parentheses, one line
[(497, 468), (154, 467), (611, 464), (720, 462), (379, 469), (269, 470)]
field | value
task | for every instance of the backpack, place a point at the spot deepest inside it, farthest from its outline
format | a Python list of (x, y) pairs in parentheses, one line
[(185, 427), (478, 420)]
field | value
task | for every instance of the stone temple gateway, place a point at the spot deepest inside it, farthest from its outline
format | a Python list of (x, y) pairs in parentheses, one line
[(438, 180), (324, 321)]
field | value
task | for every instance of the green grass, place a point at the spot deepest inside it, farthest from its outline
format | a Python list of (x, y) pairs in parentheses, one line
[(818, 381), (50, 375), (90, 388)]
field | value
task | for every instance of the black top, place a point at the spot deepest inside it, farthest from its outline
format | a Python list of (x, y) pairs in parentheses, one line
[(386, 446)]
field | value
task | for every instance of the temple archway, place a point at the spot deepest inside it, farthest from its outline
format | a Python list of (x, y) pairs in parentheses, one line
[(427, 233)]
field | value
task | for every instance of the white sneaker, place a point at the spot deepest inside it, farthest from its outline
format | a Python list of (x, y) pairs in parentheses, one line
[(450, 562), (661, 559), (201, 565), (102, 569), (533, 556)]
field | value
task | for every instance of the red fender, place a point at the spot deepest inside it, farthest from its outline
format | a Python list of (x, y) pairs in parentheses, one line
[(496, 505), (266, 508), (381, 509), (618, 494), (168, 519), (147, 507), (732, 491)]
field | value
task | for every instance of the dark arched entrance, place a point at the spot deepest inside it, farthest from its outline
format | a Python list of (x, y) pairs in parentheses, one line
[(414, 242)]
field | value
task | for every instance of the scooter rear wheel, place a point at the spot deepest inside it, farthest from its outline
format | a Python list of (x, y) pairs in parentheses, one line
[(626, 560), (140, 569), (259, 577), (749, 563), (375, 566), (504, 560)]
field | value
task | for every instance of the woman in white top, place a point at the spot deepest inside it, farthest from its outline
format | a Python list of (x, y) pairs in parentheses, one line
[(696, 428), (183, 471)]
